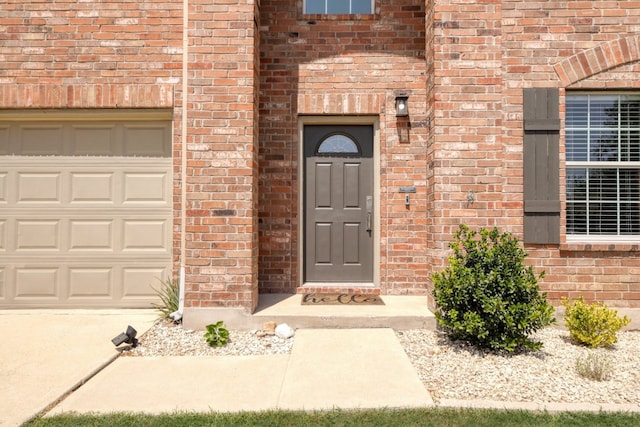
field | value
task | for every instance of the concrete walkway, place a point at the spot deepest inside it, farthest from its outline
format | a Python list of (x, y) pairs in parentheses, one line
[(63, 360), (46, 353), (337, 368)]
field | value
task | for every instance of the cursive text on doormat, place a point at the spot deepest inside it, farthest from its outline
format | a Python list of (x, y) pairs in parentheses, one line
[(335, 299)]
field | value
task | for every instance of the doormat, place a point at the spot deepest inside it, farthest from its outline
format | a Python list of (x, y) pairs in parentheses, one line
[(341, 299)]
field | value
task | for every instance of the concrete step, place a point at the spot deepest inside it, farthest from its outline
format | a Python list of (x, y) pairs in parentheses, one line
[(398, 312)]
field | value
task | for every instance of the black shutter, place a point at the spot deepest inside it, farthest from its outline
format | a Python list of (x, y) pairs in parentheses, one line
[(541, 166)]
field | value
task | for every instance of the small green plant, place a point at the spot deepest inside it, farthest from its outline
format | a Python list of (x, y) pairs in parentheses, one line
[(169, 294), (594, 325), (594, 366), (486, 295), (217, 335)]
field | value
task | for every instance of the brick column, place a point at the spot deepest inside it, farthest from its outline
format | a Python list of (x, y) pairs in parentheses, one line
[(221, 184), (467, 153)]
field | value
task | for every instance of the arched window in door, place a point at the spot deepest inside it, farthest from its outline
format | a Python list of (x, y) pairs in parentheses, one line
[(338, 144)]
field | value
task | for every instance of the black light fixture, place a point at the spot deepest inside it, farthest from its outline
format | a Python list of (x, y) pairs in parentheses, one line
[(128, 337), (402, 107)]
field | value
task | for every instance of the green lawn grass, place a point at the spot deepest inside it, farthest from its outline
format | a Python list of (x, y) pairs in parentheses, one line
[(378, 417)]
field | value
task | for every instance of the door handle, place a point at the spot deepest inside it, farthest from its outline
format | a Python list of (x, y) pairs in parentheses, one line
[(369, 211)]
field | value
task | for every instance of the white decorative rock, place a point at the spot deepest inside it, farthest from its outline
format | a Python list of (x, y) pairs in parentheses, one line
[(284, 331)]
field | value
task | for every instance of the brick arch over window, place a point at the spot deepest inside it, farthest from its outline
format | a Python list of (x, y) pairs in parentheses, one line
[(600, 58)]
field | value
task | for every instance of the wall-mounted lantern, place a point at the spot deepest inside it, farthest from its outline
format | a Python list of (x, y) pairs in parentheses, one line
[(402, 107)]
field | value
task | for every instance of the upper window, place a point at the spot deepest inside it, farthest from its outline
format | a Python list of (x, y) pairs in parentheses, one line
[(338, 7), (603, 164)]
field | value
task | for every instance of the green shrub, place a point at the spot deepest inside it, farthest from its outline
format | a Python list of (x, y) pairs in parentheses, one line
[(594, 366), (169, 294), (593, 325), (217, 335), (486, 295)]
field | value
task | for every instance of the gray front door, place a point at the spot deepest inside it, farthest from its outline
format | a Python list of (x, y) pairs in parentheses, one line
[(338, 203)]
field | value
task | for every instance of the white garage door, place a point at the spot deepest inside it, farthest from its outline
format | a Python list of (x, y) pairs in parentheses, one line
[(85, 209)]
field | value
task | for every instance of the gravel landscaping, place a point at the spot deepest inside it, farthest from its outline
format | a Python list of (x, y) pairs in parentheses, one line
[(453, 370), (167, 339)]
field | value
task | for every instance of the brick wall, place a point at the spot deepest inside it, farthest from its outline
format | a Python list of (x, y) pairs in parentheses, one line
[(61, 54), (466, 170), (94, 55), (468, 177), (129, 54), (221, 252), (337, 66), (463, 63), (505, 46), (575, 45)]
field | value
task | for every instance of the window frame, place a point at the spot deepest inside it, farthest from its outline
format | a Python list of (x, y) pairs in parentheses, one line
[(371, 12), (589, 164)]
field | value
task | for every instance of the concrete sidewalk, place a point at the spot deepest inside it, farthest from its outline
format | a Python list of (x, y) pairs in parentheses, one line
[(337, 368), (327, 369), (46, 353)]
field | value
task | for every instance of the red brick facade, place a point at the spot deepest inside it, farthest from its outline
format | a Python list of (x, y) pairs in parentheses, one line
[(254, 70), (221, 258), (315, 66), (572, 45)]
